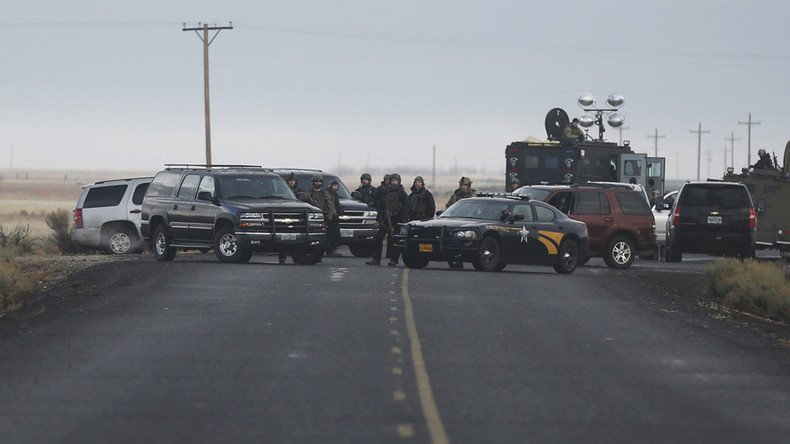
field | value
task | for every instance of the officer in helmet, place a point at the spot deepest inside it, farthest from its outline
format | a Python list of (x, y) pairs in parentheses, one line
[(366, 189), (392, 205), (323, 200), (464, 191), (765, 162)]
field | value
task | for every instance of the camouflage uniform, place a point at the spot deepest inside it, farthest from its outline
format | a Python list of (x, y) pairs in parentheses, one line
[(392, 205), (323, 200), (367, 191), (458, 194)]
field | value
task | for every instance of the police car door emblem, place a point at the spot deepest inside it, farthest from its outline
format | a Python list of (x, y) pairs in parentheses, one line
[(514, 161), (524, 233)]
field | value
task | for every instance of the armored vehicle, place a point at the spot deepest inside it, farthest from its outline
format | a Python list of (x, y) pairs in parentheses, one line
[(770, 191), (559, 161)]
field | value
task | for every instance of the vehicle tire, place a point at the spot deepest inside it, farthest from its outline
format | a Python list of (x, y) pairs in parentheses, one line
[(227, 247), (620, 252), (501, 267), (488, 256), (567, 257), (413, 260), (361, 250), (674, 253), (308, 256), (120, 240), (162, 239), (582, 260)]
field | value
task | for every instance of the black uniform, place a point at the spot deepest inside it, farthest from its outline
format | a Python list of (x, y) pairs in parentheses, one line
[(422, 206), (333, 228), (765, 163), (367, 191), (392, 205)]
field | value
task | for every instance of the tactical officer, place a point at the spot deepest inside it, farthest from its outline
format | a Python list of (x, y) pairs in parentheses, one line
[(366, 189), (301, 194), (333, 228), (392, 206), (514, 185), (571, 133), (463, 191), (421, 203), (323, 200), (765, 162)]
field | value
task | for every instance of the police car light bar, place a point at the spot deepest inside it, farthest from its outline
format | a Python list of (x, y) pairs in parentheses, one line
[(506, 195)]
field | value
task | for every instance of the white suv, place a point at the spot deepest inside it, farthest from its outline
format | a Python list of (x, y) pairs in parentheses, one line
[(108, 215)]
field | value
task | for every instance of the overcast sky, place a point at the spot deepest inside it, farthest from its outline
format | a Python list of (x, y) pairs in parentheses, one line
[(297, 83)]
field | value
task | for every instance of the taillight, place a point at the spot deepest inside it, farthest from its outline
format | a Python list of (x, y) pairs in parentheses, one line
[(78, 218), (676, 216), (752, 219)]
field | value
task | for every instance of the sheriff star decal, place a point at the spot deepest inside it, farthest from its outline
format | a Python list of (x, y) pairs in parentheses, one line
[(524, 234)]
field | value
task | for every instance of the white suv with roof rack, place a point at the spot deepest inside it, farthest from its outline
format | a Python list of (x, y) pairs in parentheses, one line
[(108, 215)]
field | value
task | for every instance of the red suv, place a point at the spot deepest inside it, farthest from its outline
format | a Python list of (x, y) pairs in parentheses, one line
[(619, 221)]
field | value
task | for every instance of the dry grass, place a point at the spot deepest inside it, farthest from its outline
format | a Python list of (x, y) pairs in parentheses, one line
[(16, 285), (761, 287)]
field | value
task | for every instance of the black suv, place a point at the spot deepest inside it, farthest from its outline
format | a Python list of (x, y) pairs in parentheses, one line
[(233, 209), (357, 220), (711, 218)]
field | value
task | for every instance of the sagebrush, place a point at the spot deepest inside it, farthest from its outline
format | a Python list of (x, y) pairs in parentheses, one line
[(59, 221), (759, 286)]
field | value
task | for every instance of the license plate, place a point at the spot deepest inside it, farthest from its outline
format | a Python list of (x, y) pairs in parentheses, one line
[(346, 233), (425, 248), (714, 220), (287, 236)]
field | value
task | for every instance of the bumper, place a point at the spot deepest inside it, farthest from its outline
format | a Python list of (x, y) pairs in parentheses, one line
[(270, 242), (712, 243), (350, 236), (87, 237), (442, 249)]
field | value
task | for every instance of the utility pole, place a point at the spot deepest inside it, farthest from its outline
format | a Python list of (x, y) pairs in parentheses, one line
[(699, 132), (725, 156), (621, 133), (749, 125), (433, 170), (655, 138), (732, 140), (709, 158), (205, 28)]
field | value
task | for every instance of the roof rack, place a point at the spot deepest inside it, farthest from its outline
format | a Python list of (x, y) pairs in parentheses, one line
[(127, 179), (626, 186), (203, 166), (297, 169), (504, 195)]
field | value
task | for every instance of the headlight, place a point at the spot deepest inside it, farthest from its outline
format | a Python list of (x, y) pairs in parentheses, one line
[(315, 216), (370, 214), (466, 234), (251, 216)]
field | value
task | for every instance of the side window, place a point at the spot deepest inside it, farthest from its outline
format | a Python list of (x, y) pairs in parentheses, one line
[(139, 193), (524, 210), (544, 214), (207, 185), (588, 202), (632, 203), (164, 184), (189, 186), (562, 201), (605, 208), (99, 197), (632, 168)]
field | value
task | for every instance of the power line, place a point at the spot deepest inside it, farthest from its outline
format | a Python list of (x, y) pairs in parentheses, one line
[(699, 132)]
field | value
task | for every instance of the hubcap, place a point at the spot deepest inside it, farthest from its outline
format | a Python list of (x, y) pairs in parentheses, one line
[(569, 259), (161, 244), (621, 253), (120, 243), (487, 255), (228, 245)]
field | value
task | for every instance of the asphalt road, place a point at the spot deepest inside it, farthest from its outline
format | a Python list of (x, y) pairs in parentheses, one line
[(198, 351)]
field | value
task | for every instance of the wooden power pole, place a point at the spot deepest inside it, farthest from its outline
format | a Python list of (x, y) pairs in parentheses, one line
[(749, 125), (699, 132), (205, 28)]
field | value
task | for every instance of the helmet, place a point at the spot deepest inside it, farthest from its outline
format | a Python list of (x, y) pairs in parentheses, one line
[(465, 181), (761, 151), (365, 176), (317, 178), (386, 177), (395, 176)]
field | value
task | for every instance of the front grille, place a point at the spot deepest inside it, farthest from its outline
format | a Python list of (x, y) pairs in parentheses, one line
[(288, 222), (425, 233), (354, 219)]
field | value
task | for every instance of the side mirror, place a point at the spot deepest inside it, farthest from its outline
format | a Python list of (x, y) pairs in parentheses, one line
[(439, 213), (356, 195), (515, 218), (205, 195)]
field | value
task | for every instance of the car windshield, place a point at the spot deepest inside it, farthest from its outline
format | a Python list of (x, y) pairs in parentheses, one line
[(305, 182), (533, 193), (476, 209), (251, 186)]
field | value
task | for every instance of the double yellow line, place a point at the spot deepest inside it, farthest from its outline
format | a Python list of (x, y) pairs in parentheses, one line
[(433, 419)]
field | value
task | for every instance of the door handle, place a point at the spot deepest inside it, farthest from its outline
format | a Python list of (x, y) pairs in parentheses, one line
[(175, 207), (608, 219), (193, 208), (135, 211)]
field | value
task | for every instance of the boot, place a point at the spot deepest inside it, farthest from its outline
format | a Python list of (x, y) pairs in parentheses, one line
[(374, 262)]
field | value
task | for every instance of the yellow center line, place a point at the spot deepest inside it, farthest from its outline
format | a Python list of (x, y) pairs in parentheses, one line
[(430, 411)]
